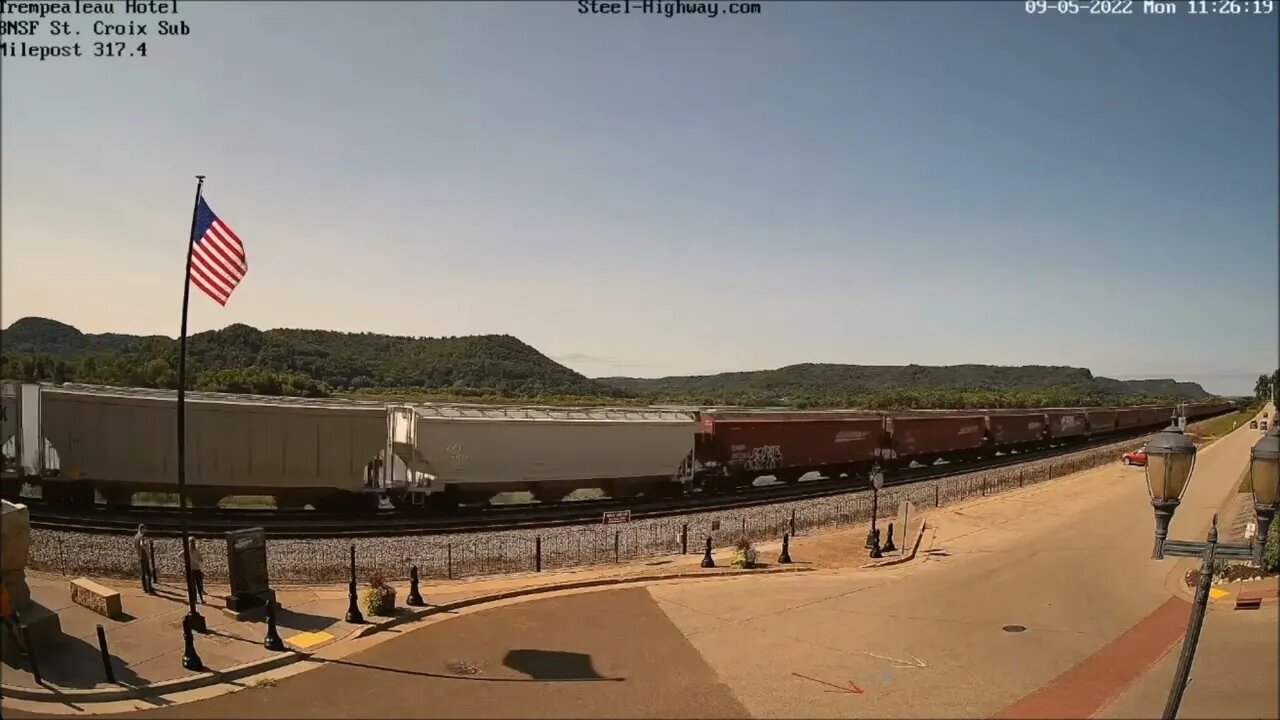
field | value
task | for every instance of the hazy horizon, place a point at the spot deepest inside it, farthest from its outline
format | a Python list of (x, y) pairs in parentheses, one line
[(855, 183)]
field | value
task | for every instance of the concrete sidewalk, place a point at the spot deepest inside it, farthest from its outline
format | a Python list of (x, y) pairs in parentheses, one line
[(146, 645)]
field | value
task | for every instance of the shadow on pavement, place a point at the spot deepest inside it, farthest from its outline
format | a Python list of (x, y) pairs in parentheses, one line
[(552, 665), (420, 673), (303, 622), (74, 663)]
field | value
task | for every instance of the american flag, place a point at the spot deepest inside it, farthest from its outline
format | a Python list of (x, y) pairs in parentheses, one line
[(218, 262)]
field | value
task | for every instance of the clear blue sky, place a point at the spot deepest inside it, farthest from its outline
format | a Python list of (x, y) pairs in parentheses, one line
[(874, 183)]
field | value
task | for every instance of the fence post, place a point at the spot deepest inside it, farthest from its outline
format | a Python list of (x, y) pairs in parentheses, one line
[(792, 525), (1020, 471), (744, 525), (935, 496), (616, 558), (537, 551), (449, 561), (62, 559), (684, 539), (106, 656), (984, 487)]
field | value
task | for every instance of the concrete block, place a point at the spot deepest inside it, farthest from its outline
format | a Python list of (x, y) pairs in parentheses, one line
[(15, 543), (98, 598)]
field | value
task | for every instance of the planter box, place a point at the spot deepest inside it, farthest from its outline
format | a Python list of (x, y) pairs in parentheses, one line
[(382, 606)]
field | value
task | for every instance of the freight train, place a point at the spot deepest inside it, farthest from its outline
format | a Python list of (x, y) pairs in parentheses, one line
[(79, 442)]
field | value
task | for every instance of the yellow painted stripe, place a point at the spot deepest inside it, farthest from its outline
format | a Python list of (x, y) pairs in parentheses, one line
[(1217, 593), (309, 639)]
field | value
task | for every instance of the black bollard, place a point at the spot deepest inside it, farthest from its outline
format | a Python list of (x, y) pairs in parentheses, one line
[(31, 655), (875, 544), (154, 575), (354, 615), (190, 660), (707, 562), (888, 544), (272, 641), (106, 656), (415, 597), (785, 557)]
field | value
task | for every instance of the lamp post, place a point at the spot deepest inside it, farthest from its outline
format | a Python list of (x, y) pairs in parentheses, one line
[(873, 537), (1171, 459), (1264, 477)]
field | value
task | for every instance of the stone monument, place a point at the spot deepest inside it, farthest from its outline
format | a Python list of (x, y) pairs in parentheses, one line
[(247, 573), (15, 543)]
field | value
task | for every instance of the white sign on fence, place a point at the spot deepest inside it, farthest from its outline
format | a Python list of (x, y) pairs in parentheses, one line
[(617, 517), (1250, 530)]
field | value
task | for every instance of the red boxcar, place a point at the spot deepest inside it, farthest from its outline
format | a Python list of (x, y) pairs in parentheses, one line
[(1015, 428), (1101, 421), (1128, 418), (770, 443), (929, 436), (1067, 423)]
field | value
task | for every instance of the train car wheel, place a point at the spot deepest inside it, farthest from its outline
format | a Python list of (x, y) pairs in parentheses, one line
[(117, 498), (78, 494), (445, 503)]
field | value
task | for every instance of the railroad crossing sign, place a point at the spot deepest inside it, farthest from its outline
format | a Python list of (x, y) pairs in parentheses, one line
[(617, 517)]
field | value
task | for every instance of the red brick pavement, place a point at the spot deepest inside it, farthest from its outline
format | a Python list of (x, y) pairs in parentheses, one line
[(1089, 686)]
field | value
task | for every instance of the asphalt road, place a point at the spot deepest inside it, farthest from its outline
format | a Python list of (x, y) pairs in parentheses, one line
[(592, 655)]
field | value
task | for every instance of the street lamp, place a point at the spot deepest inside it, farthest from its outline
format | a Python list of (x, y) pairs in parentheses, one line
[(873, 537), (1171, 458), (1264, 476)]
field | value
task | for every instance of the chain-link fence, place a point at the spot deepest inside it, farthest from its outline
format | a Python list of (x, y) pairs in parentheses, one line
[(501, 552)]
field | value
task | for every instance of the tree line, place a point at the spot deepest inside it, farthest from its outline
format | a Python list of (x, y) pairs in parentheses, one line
[(132, 370)]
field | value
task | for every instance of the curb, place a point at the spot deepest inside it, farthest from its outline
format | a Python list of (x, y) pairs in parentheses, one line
[(571, 585), (288, 657), (915, 546), (163, 687)]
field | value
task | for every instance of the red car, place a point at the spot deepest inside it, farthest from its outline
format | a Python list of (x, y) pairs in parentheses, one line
[(1137, 457)]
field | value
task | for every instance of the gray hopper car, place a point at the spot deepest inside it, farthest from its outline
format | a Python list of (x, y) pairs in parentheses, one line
[(121, 441)]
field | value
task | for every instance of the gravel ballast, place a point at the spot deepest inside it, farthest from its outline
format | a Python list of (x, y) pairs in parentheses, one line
[(508, 551)]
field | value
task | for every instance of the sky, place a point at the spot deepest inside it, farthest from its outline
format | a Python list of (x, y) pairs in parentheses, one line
[(845, 182)]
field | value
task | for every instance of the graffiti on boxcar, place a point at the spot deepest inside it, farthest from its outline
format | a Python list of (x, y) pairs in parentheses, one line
[(456, 452), (764, 457)]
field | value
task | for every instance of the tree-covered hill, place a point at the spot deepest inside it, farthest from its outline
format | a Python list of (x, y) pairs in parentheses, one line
[(497, 368), (309, 362), (811, 379)]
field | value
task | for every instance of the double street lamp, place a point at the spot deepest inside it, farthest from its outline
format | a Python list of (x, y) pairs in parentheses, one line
[(1171, 459)]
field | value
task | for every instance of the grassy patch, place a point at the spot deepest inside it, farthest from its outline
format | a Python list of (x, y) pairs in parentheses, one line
[(1219, 426)]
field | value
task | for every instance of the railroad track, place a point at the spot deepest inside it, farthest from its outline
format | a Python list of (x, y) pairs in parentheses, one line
[(299, 524)]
